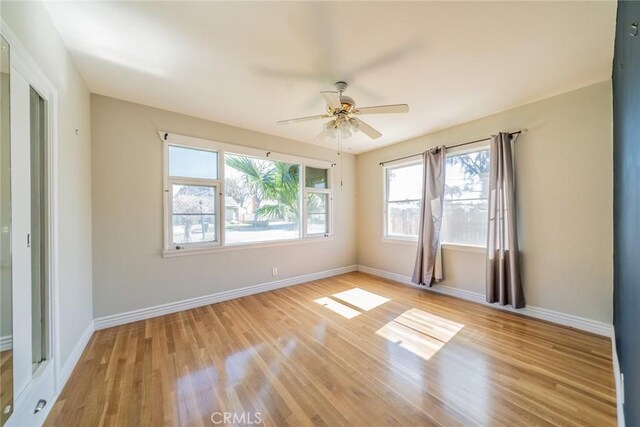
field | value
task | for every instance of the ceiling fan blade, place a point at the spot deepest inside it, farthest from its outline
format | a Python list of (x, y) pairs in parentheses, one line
[(368, 130), (282, 73), (321, 136), (389, 57), (302, 119), (332, 99), (384, 109)]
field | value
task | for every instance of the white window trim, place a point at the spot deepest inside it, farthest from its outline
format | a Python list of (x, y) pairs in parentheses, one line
[(223, 148), (464, 247), (448, 246), (392, 238)]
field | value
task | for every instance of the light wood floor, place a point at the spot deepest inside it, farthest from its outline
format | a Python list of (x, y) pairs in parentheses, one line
[(6, 383), (348, 350)]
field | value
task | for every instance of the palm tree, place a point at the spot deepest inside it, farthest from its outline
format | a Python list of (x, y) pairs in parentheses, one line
[(275, 182)]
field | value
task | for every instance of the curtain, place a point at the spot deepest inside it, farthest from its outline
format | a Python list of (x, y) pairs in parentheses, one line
[(424, 272), (503, 270)]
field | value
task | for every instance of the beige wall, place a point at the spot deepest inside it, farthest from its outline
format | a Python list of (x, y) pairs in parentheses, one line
[(564, 173), (129, 271), (31, 23)]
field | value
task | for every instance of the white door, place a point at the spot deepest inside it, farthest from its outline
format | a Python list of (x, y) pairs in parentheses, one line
[(33, 366)]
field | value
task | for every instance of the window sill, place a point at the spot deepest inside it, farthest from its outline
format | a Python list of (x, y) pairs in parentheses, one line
[(448, 246), (464, 248), (400, 240), (172, 253)]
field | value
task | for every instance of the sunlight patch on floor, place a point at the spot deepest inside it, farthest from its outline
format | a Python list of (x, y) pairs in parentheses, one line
[(419, 332), (362, 299), (336, 307)]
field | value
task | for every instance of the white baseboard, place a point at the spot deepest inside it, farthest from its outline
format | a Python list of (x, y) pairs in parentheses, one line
[(618, 381), (564, 319), (6, 342), (160, 310), (74, 357)]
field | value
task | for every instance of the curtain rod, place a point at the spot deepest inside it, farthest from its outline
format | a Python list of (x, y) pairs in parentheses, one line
[(518, 132)]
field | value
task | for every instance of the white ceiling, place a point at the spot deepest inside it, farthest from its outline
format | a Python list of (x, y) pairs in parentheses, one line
[(250, 64)]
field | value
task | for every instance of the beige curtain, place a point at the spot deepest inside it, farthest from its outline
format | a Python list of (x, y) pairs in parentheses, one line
[(503, 270), (424, 272)]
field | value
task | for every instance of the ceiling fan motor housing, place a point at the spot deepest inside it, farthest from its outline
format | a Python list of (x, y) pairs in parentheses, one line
[(347, 102), (341, 86)]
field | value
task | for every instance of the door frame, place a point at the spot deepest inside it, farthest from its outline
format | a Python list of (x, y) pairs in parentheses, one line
[(49, 374)]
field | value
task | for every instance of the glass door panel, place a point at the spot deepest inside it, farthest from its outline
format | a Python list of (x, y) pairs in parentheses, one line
[(39, 291), (6, 314)]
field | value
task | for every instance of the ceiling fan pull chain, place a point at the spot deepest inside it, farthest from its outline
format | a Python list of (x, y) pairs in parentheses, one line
[(341, 159)]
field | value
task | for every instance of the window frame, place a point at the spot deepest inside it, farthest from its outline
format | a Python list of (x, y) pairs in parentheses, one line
[(480, 146), (305, 208), (386, 201), (169, 139), (327, 191), (171, 181)]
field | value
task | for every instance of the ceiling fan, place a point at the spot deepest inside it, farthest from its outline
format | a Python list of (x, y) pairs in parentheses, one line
[(342, 111)]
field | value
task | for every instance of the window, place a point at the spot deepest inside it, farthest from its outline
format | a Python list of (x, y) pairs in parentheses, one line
[(465, 201), (225, 195), (194, 214), (262, 200), (318, 199), (193, 185), (317, 178), (193, 163), (404, 188), (466, 205)]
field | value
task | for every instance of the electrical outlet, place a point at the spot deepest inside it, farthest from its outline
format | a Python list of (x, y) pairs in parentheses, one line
[(274, 271)]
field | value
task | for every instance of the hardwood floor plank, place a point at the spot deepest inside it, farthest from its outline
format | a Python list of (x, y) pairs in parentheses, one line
[(347, 350)]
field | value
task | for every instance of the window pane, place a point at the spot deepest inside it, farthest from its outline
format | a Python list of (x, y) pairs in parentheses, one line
[(465, 222), (262, 200), (193, 163), (316, 178), (404, 183), (467, 176), (317, 218), (403, 218), (466, 206), (194, 212)]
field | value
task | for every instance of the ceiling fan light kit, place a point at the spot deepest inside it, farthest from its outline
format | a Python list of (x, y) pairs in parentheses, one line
[(342, 111)]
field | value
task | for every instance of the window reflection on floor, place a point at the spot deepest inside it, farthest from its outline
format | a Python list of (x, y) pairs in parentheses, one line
[(336, 307), (353, 300), (419, 332), (362, 299)]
